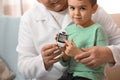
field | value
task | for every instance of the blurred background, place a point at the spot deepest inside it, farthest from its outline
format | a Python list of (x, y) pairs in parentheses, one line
[(18, 7), (15, 7), (9, 26)]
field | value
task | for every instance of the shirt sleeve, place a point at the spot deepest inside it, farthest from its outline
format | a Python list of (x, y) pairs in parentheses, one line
[(112, 30)]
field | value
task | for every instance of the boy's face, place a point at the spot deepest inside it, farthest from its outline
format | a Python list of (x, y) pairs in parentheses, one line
[(81, 11), (55, 5)]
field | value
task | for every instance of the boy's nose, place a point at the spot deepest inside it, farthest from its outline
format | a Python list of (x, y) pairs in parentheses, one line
[(77, 12)]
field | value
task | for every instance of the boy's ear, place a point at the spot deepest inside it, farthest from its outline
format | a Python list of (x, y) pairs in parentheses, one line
[(94, 8)]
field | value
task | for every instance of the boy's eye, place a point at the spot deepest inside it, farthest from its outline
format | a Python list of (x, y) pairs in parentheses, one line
[(82, 8), (72, 8)]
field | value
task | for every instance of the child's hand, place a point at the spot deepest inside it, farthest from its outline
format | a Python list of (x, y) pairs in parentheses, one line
[(71, 48), (64, 56)]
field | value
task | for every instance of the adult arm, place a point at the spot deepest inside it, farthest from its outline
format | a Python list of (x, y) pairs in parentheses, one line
[(28, 60), (33, 59), (113, 32)]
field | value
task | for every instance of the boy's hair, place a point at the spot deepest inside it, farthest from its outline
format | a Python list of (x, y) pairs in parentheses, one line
[(93, 2)]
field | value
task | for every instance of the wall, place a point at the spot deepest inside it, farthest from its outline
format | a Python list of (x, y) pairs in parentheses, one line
[(110, 6)]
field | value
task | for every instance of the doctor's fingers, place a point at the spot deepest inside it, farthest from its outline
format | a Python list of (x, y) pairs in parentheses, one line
[(49, 51), (49, 46), (52, 61), (81, 56), (93, 64), (88, 61), (53, 58)]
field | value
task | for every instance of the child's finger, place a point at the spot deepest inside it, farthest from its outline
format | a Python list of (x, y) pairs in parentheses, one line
[(72, 42), (66, 42)]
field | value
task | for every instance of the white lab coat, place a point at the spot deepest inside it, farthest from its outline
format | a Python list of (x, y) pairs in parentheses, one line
[(38, 28)]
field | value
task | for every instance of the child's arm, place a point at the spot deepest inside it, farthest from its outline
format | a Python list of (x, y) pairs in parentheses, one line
[(65, 58)]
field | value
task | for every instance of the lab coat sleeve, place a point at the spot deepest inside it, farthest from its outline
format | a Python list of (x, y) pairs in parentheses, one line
[(30, 63), (112, 30)]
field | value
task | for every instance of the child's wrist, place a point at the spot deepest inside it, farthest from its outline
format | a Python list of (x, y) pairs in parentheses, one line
[(65, 57)]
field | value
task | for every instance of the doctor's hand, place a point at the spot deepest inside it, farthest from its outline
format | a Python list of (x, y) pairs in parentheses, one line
[(49, 54), (95, 56)]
